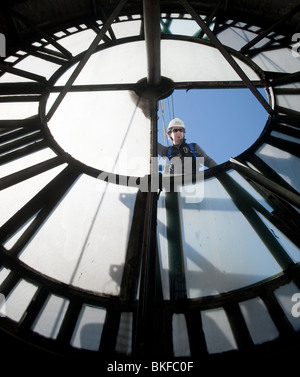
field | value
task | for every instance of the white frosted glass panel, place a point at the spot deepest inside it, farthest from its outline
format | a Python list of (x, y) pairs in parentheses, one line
[(50, 319), (31, 64), (125, 63), (181, 345), (124, 338), (106, 130), (218, 334), (60, 34), (290, 304), (26, 161), (9, 77), (18, 110), (34, 65), (11, 59), (14, 137), (8, 244), (88, 330), (183, 27), (181, 60), (291, 249), (246, 185), (15, 197), (285, 137), (64, 78), (284, 163), (72, 29), (291, 101), (277, 61), (91, 227), (78, 42), (19, 299), (37, 66), (4, 272), (259, 321), (221, 250), (237, 38), (127, 29)]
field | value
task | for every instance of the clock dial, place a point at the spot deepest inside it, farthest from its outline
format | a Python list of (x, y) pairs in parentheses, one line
[(91, 261)]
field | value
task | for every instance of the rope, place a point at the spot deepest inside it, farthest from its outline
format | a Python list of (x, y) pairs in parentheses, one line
[(173, 115), (163, 118), (171, 110)]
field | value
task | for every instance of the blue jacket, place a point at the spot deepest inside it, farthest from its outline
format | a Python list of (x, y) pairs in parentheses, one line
[(185, 150)]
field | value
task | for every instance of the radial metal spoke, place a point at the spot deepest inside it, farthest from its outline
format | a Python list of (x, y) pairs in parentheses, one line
[(42, 34), (210, 18), (215, 41), (144, 342), (266, 32), (216, 84), (275, 188), (20, 72), (96, 87), (36, 88), (85, 58)]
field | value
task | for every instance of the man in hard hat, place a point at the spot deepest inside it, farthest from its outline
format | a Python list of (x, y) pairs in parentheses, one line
[(181, 149)]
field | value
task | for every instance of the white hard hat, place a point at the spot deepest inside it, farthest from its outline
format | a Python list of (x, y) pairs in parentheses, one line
[(176, 122)]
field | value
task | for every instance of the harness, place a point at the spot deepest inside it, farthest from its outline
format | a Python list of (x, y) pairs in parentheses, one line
[(191, 148)]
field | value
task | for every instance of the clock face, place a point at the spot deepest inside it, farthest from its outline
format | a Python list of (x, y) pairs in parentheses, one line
[(73, 248)]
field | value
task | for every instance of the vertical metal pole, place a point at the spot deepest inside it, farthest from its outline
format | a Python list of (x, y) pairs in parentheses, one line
[(174, 235), (152, 37), (144, 345)]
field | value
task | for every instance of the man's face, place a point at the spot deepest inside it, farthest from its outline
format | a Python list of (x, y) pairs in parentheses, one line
[(177, 135)]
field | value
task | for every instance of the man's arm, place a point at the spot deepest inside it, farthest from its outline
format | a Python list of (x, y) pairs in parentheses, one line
[(208, 161), (162, 150)]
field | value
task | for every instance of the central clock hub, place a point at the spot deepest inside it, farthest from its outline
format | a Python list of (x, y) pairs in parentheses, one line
[(103, 120), (157, 92)]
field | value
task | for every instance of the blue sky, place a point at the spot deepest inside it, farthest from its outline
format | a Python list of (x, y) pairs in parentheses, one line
[(224, 122)]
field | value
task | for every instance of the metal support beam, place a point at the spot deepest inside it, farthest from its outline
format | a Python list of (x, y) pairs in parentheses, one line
[(144, 342), (215, 85), (31, 171), (251, 208), (22, 73), (152, 37), (266, 32), (215, 41), (272, 186), (42, 34), (209, 18), (174, 235), (286, 79), (85, 58)]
